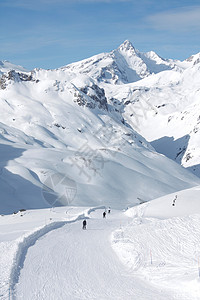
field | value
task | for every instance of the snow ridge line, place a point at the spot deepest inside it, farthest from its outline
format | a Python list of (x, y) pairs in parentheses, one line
[(31, 240)]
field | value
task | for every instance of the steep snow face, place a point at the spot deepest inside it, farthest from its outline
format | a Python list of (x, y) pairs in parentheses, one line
[(123, 65), (164, 108), (59, 127)]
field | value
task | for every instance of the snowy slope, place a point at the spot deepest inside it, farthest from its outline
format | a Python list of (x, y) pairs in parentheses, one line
[(70, 123), (55, 122), (156, 246), (179, 204), (84, 264), (172, 94), (74, 137), (164, 108), (161, 243), (20, 231)]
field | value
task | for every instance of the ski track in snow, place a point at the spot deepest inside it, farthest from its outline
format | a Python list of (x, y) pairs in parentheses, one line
[(30, 240), (69, 263), (23, 248)]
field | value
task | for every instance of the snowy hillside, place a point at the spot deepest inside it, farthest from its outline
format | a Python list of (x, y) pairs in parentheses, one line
[(56, 124), (160, 244), (164, 108), (67, 135), (156, 245), (76, 137), (170, 89)]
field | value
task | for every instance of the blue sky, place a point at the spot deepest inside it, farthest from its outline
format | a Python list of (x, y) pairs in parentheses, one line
[(53, 33)]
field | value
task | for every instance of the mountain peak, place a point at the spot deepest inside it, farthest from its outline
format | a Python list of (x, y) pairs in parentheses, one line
[(126, 45)]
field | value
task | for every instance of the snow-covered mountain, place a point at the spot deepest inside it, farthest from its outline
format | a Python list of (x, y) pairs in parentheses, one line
[(123, 65), (57, 123), (151, 92), (68, 134), (164, 108), (169, 89), (74, 137)]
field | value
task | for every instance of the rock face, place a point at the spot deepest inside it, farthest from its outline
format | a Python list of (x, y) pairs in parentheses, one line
[(91, 96), (16, 76), (12, 75), (3, 82)]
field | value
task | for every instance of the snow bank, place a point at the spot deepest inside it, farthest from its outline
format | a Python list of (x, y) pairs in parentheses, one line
[(161, 243), (21, 231), (163, 252), (183, 203)]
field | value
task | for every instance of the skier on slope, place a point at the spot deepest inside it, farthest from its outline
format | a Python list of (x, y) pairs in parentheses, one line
[(174, 201), (104, 214), (109, 210), (84, 224)]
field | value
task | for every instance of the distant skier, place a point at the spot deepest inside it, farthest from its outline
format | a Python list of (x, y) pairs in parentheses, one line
[(104, 214), (174, 201), (84, 224), (108, 210)]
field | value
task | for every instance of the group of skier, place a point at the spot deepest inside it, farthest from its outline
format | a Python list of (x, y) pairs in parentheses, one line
[(104, 213), (104, 216)]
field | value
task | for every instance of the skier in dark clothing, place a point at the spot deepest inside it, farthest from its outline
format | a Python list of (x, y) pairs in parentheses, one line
[(174, 201), (104, 214), (109, 210), (84, 224)]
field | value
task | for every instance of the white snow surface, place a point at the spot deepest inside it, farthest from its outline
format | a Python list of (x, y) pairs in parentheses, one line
[(73, 137), (152, 92), (161, 243), (80, 265), (20, 231), (146, 252), (164, 108), (56, 123)]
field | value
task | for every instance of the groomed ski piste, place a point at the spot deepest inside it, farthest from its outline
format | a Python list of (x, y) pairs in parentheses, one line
[(147, 252)]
